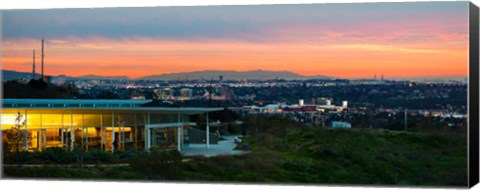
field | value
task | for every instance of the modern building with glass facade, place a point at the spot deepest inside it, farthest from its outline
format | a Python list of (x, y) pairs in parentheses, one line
[(108, 125)]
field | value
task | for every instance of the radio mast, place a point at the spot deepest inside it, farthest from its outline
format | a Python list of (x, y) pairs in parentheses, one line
[(43, 55), (33, 65)]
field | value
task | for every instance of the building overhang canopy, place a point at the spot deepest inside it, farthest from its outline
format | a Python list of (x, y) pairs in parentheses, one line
[(71, 103), (95, 106), (138, 110)]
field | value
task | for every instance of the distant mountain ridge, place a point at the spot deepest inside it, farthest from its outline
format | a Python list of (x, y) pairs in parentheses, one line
[(207, 75), (227, 74), (8, 75), (97, 77), (14, 75)]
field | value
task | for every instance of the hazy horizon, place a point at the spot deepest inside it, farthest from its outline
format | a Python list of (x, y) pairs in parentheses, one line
[(307, 77), (355, 40)]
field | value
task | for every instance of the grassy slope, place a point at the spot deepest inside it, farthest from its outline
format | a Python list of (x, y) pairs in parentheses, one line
[(347, 156), (320, 156)]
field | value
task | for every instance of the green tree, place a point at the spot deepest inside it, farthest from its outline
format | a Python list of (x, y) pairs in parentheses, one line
[(15, 138)]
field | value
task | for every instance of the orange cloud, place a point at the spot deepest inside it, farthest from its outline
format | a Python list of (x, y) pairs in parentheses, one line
[(138, 57)]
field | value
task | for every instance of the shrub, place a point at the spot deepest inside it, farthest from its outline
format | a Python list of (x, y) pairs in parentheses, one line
[(157, 164)]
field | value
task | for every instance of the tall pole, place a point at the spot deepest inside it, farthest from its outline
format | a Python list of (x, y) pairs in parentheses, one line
[(33, 65), (405, 119), (43, 55)]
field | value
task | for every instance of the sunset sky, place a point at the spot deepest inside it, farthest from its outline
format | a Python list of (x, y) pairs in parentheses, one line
[(424, 39)]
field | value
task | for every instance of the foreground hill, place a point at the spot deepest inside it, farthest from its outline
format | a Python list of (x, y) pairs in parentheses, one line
[(339, 156), (307, 156)]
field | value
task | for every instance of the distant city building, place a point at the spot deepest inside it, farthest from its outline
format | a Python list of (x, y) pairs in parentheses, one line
[(221, 98), (271, 108), (186, 92), (345, 104), (341, 124), (139, 97), (328, 102), (60, 79), (301, 102), (164, 94), (323, 101)]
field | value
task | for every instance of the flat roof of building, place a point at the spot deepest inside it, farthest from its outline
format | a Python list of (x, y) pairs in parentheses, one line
[(95, 106), (74, 102), (153, 110)]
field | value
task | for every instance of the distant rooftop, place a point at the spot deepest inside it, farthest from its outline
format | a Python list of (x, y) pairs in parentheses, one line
[(71, 103)]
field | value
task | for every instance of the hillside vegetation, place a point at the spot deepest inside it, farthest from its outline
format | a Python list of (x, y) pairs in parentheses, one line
[(14, 89), (345, 156), (304, 156)]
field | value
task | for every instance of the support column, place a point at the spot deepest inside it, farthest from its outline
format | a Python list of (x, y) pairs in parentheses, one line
[(113, 131), (145, 120), (26, 130), (179, 148), (83, 132), (62, 136), (102, 133), (86, 136), (72, 132), (136, 132), (148, 139), (41, 132), (147, 133), (121, 133), (208, 133)]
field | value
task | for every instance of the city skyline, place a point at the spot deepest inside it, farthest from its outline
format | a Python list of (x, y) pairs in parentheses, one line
[(399, 40)]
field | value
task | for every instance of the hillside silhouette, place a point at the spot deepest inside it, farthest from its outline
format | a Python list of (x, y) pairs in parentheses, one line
[(36, 89)]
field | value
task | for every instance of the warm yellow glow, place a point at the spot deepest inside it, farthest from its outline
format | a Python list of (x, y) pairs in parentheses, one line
[(8, 120), (117, 129)]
